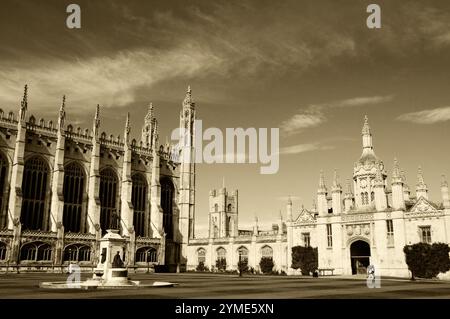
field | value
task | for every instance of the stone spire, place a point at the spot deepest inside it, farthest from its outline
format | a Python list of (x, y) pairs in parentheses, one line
[(348, 197), (420, 180), (336, 194), (322, 186), (96, 123), (188, 102), (396, 175), (367, 135), (24, 104), (149, 116), (289, 209), (149, 127), (322, 201), (421, 187), (336, 185), (280, 223), (62, 114), (398, 200), (368, 155), (126, 133)]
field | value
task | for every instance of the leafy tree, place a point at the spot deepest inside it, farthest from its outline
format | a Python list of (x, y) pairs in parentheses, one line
[(266, 264), (305, 258), (427, 261), (221, 264)]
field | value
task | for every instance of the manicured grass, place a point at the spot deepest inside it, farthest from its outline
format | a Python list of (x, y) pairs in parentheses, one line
[(198, 285)]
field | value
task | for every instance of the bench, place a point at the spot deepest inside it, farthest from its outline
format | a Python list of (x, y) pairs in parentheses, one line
[(323, 271)]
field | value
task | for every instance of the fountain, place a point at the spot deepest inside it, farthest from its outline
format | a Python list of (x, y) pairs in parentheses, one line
[(110, 271)]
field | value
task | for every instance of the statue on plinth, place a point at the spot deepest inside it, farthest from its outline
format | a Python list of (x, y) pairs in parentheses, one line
[(117, 261)]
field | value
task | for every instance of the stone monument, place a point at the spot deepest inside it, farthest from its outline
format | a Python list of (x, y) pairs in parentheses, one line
[(111, 271)]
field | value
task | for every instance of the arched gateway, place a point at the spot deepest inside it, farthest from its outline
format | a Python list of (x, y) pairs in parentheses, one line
[(360, 257)]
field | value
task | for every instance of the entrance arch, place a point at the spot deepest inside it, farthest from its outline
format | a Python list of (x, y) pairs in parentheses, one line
[(359, 257)]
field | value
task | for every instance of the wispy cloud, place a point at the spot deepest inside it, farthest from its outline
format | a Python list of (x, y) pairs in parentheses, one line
[(107, 80), (299, 121), (301, 148), (314, 115), (432, 116), (361, 101)]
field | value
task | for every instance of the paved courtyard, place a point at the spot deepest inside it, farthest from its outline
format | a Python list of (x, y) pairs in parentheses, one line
[(195, 285)]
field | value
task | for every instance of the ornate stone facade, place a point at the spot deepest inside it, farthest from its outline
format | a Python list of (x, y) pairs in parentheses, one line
[(227, 242), (372, 222), (61, 187)]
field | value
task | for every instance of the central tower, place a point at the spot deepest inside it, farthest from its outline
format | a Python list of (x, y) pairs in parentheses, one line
[(365, 171)]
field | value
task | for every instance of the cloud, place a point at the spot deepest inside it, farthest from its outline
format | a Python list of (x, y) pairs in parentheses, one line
[(314, 114), (432, 116), (301, 121), (301, 148), (107, 80), (361, 101)]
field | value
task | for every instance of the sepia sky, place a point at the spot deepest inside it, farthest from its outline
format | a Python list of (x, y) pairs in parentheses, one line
[(311, 68)]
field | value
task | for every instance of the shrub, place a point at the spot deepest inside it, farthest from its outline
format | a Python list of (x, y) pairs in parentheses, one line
[(242, 266), (305, 258), (201, 267), (266, 264), (221, 264), (427, 261)]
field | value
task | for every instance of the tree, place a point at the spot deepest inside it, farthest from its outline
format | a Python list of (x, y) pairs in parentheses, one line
[(305, 258), (266, 264), (221, 264), (427, 261)]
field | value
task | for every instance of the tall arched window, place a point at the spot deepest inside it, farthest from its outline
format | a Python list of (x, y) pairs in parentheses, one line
[(267, 252), (221, 253), (243, 255), (138, 199), (2, 251), (372, 197), (216, 208), (221, 262), (3, 169), (34, 187), (108, 192), (167, 191), (146, 254), (36, 251), (201, 256), (73, 190)]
